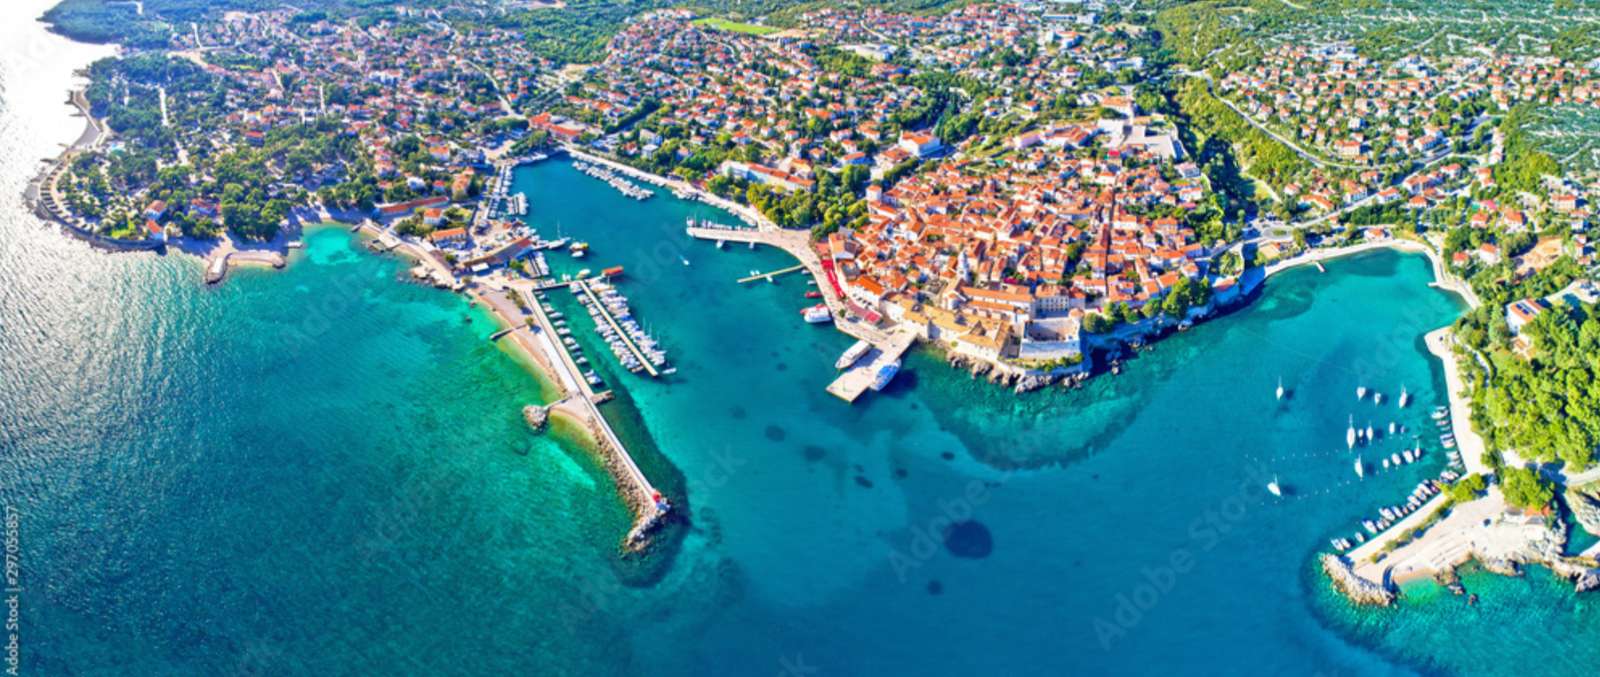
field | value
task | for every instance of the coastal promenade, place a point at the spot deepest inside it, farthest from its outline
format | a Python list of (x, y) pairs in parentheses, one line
[(745, 213), (797, 243), (1468, 442), (887, 345)]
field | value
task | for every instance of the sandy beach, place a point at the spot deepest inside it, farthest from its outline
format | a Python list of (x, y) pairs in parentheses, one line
[(1442, 278)]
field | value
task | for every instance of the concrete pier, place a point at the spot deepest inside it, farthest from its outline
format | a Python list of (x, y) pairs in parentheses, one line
[(857, 379), (768, 276)]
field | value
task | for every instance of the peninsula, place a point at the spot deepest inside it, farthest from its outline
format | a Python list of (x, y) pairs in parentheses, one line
[(1036, 192)]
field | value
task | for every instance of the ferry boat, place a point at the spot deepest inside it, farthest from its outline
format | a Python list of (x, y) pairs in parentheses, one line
[(817, 314), (885, 375), (851, 354)]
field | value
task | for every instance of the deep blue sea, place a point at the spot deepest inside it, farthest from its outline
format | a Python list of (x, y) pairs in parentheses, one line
[(323, 470)]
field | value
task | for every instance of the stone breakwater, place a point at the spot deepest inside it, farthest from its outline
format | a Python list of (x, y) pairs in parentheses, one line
[(1358, 589), (646, 514)]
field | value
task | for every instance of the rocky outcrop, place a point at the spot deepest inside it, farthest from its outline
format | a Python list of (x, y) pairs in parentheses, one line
[(1587, 581), (1585, 508), (1358, 589)]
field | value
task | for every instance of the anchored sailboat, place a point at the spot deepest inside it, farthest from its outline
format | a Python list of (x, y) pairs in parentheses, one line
[(1405, 397), (1360, 471), (1274, 488), (1350, 433), (1280, 387)]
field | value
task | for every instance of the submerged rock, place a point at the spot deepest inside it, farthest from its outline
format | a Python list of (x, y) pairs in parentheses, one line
[(969, 539)]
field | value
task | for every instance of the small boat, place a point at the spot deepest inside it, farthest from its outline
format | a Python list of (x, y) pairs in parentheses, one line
[(813, 294), (1361, 392), (885, 375), (852, 354), (1405, 397), (1280, 387), (1392, 427), (1369, 432), (721, 243), (1440, 414), (1360, 471), (1377, 398), (1395, 458), (684, 260), (817, 314), (1274, 488), (1350, 434), (1406, 454), (1386, 464)]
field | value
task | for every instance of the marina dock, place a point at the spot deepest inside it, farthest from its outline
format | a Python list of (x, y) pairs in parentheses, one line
[(605, 313), (858, 378)]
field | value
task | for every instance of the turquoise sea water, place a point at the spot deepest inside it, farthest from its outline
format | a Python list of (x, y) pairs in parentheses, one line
[(323, 471)]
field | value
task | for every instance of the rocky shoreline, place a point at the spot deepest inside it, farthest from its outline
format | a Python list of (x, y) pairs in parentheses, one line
[(1358, 589)]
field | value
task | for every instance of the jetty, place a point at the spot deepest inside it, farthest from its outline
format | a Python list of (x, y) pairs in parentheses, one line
[(582, 403), (857, 379), (770, 275)]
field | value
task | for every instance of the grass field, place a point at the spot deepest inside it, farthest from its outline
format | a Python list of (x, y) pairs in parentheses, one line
[(721, 24)]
